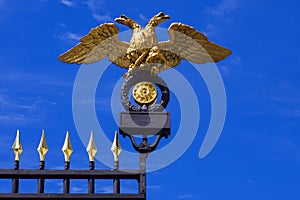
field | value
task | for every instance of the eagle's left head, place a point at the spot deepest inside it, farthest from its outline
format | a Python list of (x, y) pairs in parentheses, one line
[(123, 19)]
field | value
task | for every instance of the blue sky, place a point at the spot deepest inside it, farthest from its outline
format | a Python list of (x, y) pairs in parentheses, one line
[(258, 153)]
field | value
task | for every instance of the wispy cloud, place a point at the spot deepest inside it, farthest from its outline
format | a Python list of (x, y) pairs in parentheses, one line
[(225, 7), (186, 196), (5, 102), (68, 3), (21, 109), (224, 70), (233, 61), (91, 4), (76, 189), (105, 189), (61, 24), (210, 30), (154, 187), (142, 17), (286, 106), (102, 18), (16, 118), (2, 4), (68, 36), (96, 7)]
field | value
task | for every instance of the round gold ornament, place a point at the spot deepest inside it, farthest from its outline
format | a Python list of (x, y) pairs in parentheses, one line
[(144, 93)]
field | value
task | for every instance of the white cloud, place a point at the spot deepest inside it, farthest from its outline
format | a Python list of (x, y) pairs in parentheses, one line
[(154, 187), (210, 30), (102, 18), (12, 118), (225, 7), (95, 7), (233, 61), (186, 196), (69, 36), (61, 24), (2, 4), (296, 112), (9, 104), (142, 17), (105, 189), (224, 70), (128, 190), (21, 109), (77, 189), (68, 3), (90, 4)]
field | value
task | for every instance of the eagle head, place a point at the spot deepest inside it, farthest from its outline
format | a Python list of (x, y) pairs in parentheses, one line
[(157, 19), (123, 19)]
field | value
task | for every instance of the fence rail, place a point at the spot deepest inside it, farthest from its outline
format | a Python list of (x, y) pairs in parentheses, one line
[(67, 174), (73, 196)]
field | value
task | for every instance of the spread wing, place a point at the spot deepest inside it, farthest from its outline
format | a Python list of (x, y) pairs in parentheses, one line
[(100, 42), (189, 44)]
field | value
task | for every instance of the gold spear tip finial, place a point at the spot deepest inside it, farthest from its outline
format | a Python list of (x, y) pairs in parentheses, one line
[(91, 147), (43, 147), (17, 146), (67, 147), (116, 147)]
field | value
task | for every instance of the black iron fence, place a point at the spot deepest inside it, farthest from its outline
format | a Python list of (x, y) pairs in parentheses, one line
[(90, 175), (66, 176)]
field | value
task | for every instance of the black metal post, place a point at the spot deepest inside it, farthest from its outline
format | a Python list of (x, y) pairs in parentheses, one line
[(67, 181), (15, 181), (41, 181), (91, 181), (116, 181), (142, 183)]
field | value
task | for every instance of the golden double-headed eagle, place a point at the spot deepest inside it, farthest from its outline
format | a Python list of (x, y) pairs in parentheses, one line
[(144, 51)]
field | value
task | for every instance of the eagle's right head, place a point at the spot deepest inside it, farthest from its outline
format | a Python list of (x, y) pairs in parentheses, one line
[(157, 19), (123, 19)]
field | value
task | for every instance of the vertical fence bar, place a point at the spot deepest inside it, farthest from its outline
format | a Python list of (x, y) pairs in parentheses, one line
[(91, 150), (142, 183), (17, 148), (91, 181), (42, 149), (15, 181), (41, 181), (67, 181), (67, 150), (116, 150), (116, 181)]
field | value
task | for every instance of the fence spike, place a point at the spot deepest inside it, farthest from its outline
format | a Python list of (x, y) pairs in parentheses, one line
[(43, 147), (17, 146), (91, 148), (116, 147), (67, 148)]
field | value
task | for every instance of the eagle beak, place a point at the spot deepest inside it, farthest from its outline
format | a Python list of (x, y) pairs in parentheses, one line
[(166, 17), (162, 15), (122, 19)]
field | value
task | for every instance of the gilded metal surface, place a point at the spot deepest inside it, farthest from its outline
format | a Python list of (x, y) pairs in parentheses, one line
[(116, 147), (91, 148), (43, 147), (144, 51), (144, 93), (17, 146), (67, 147)]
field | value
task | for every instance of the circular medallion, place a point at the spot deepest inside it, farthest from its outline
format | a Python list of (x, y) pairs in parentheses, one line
[(144, 93)]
